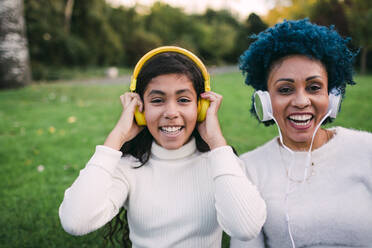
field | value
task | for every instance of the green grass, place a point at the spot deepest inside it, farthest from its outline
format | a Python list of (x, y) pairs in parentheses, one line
[(35, 130)]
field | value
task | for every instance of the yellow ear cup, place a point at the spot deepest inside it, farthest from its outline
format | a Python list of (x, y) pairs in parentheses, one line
[(203, 105), (140, 117)]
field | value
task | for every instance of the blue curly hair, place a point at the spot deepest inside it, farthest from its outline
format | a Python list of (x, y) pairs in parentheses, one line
[(303, 38)]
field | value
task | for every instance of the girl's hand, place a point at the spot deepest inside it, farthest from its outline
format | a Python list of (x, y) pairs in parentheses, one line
[(126, 128), (210, 129)]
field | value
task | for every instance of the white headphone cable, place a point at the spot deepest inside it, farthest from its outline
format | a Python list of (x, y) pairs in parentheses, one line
[(308, 157), (307, 165), (288, 182)]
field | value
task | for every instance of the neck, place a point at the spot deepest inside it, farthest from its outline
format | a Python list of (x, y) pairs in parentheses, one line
[(321, 137)]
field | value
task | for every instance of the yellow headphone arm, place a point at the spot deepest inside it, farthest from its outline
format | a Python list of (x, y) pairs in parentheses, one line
[(202, 103)]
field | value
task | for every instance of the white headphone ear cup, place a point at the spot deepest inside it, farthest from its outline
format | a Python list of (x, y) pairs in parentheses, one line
[(334, 104), (262, 105)]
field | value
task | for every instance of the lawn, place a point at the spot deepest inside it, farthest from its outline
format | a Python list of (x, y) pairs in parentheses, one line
[(49, 131)]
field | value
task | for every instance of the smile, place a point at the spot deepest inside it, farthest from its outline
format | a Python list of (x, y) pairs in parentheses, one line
[(171, 130), (300, 120)]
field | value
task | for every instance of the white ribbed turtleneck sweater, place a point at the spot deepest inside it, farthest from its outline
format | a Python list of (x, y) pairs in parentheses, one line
[(179, 198)]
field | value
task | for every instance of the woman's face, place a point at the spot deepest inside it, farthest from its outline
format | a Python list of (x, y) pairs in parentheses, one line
[(298, 88), (170, 102)]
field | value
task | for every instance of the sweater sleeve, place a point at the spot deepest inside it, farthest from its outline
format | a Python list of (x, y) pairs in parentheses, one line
[(241, 211), (96, 195)]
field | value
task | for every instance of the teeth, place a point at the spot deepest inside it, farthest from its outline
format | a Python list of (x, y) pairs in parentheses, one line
[(170, 129), (301, 123), (300, 117)]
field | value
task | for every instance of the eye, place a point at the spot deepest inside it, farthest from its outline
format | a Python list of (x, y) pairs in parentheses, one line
[(313, 87), (156, 100), (285, 90), (184, 100)]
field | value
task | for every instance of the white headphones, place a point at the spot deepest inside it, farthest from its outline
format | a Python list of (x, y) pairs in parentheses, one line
[(264, 110)]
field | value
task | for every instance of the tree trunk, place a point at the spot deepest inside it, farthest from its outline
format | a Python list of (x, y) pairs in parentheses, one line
[(68, 13), (363, 61), (14, 57)]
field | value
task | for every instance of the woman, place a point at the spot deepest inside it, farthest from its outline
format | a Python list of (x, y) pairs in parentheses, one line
[(317, 183), (178, 180)]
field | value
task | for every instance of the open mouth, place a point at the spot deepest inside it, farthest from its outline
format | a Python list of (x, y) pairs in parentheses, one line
[(171, 130), (300, 120)]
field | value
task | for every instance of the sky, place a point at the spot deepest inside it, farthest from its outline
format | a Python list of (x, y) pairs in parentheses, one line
[(241, 8)]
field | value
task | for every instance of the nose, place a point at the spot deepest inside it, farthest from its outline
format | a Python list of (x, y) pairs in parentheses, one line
[(171, 111), (301, 100)]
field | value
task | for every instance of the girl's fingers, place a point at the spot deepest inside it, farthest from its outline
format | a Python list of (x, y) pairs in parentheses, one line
[(211, 96), (214, 98), (132, 105), (130, 97)]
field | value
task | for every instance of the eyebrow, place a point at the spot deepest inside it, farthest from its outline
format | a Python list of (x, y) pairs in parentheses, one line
[(312, 77), (159, 92), (292, 80), (156, 92), (285, 79), (183, 91)]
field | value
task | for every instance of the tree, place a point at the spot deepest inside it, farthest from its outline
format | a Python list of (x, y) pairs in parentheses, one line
[(72, 33), (91, 23), (14, 58), (216, 41), (68, 13), (135, 40), (48, 39), (359, 14), (215, 33), (289, 9), (167, 22), (252, 25), (330, 12)]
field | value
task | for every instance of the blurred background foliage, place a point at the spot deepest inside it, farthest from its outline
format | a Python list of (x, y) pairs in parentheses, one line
[(67, 33)]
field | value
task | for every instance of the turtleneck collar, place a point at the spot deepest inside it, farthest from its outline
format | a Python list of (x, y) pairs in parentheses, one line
[(182, 152)]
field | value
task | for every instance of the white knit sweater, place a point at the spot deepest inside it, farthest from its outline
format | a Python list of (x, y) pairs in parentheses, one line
[(180, 198), (333, 208)]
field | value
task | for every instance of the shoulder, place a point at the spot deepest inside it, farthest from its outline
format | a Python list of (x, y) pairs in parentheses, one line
[(260, 153), (127, 166), (348, 136), (129, 161), (259, 162), (220, 150)]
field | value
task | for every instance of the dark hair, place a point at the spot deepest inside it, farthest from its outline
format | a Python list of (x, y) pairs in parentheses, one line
[(140, 146), (298, 38)]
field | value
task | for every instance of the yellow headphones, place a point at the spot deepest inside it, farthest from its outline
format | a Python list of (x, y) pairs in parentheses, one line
[(203, 104)]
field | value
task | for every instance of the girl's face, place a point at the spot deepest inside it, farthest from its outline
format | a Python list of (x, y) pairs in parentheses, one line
[(170, 103), (298, 88)]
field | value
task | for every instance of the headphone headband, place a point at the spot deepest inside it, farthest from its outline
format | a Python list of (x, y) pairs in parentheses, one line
[(164, 49)]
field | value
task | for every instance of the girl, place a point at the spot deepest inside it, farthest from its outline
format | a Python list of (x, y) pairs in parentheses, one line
[(178, 180)]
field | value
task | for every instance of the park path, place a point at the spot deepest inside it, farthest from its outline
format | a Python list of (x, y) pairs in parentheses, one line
[(125, 79)]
